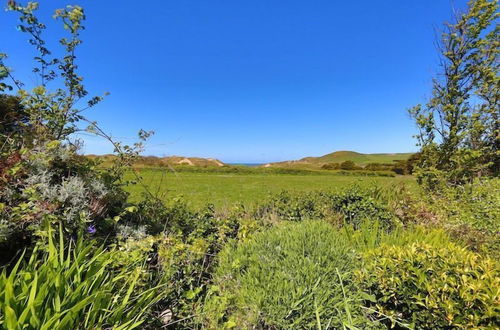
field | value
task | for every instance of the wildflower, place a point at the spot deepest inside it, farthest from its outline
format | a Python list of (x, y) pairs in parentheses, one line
[(91, 229)]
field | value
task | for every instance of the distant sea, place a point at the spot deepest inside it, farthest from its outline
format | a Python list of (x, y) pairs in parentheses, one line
[(247, 164)]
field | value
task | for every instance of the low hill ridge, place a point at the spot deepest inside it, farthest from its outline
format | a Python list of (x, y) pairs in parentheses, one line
[(342, 156), (168, 160)]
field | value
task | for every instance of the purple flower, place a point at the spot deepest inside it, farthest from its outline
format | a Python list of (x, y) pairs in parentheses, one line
[(91, 229)]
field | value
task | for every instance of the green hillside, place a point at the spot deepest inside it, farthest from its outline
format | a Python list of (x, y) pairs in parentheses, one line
[(358, 158), (342, 156)]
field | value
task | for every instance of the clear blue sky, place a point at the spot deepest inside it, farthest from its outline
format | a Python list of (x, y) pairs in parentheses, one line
[(253, 81)]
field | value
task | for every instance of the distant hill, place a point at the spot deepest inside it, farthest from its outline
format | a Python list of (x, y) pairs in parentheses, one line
[(192, 161), (342, 156), (167, 161)]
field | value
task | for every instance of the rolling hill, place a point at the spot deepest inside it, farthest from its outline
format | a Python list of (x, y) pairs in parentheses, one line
[(342, 156)]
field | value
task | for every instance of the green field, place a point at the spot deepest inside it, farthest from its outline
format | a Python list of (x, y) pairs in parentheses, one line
[(224, 189)]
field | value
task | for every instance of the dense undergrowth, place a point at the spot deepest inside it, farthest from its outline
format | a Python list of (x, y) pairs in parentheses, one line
[(286, 262)]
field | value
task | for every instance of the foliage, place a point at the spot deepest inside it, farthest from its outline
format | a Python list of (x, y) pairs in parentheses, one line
[(471, 212), (351, 206), (459, 126), (185, 243), (52, 114), (13, 118), (432, 286), (293, 276), (406, 166), (73, 285), (52, 183), (330, 166), (349, 165), (476, 205)]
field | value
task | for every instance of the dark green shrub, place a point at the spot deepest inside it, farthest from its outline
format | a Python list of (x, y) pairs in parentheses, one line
[(293, 276), (357, 206), (330, 166), (349, 165), (400, 167), (293, 207), (432, 286), (378, 167)]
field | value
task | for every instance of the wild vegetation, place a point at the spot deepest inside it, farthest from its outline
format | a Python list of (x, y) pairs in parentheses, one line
[(87, 244)]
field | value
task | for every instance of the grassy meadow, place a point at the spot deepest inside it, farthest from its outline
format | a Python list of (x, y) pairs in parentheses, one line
[(226, 189)]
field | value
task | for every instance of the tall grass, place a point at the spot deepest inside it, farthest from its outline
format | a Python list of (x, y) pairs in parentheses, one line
[(298, 275)]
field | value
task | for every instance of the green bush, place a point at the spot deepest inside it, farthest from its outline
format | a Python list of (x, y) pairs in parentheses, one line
[(349, 165), (432, 286), (73, 287), (297, 275), (330, 166), (352, 206)]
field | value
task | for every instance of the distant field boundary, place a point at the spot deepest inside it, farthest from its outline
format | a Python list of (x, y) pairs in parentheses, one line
[(245, 170)]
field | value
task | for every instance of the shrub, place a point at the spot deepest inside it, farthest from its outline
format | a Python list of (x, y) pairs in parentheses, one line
[(183, 244), (349, 165), (352, 206), (52, 183), (476, 205), (432, 285), (357, 206), (73, 287), (378, 167), (292, 276), (330, 166), (469, 212)]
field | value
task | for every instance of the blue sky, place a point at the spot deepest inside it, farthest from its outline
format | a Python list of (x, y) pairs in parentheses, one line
[(253, 81)]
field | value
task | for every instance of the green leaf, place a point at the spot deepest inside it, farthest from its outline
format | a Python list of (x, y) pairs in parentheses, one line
[(10, 318)]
